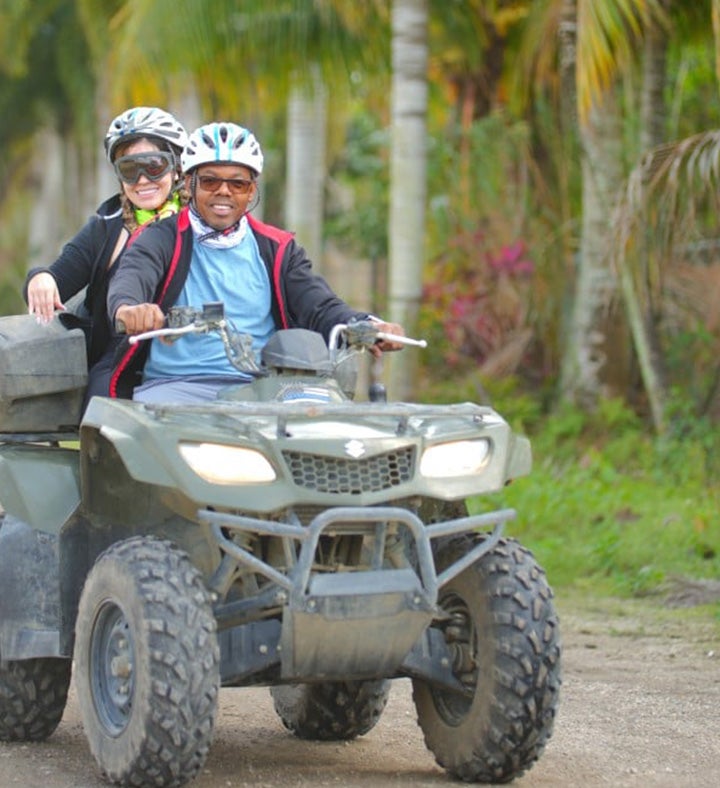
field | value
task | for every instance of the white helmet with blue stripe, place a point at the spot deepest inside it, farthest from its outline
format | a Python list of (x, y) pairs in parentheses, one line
[(222, 143)]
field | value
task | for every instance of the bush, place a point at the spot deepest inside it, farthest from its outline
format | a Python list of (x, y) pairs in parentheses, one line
[(609, 506)]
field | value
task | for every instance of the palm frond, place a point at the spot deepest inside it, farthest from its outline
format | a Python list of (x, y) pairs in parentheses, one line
[(608, 36), (670, 198), (235, 48)]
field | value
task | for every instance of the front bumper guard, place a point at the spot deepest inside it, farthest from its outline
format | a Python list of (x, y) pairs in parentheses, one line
[(345, 624)]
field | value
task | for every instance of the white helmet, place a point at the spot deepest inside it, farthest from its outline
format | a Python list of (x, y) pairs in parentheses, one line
[(222, 143), (148, 122)]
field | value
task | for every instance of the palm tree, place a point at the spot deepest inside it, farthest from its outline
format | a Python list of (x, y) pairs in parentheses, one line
[(406, 227), (655, 181), (586, 364), (306, 170), (672, 190), (599, 42)]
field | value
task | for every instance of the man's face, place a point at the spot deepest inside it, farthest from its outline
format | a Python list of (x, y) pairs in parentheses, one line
[(222, 204)]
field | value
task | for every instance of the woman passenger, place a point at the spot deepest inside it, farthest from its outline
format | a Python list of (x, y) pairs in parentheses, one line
[(143, 144)]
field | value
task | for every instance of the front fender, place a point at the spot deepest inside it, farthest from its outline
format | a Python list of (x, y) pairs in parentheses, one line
[(125, 425)]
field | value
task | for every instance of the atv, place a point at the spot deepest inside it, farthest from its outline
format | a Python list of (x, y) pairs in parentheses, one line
[(287, 535)]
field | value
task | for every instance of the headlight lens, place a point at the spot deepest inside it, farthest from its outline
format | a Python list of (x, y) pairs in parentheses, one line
[(459, 458), (220, 464)]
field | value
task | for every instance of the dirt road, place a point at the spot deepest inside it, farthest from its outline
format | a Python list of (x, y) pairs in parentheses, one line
[(640, 707)]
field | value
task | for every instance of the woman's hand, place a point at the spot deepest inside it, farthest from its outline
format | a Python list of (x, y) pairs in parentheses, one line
[(43, 297)]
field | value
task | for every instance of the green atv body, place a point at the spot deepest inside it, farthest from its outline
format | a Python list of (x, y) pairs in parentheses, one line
[(284, 535)]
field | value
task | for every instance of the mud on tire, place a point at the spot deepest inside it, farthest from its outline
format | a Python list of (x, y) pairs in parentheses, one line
[(331, 710), (503, 634), (33, 693), (147, 664)]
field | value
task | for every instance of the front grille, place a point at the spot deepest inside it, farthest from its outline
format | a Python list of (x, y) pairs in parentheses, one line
[(340, 475)]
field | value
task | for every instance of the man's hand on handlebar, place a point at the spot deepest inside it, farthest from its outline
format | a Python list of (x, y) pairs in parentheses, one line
[(385, 345), (138, 318)]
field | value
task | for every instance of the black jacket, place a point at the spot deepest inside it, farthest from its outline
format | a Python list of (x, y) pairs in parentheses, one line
[(154, 270), (83, 262)]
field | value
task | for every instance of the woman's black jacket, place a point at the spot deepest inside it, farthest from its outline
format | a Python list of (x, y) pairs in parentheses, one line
[(84, 262)]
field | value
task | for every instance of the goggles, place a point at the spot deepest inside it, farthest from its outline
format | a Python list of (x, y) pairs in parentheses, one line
[(152, 165), (211, 183)]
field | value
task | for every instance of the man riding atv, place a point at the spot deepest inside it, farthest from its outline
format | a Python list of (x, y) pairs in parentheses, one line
[(214, 250)]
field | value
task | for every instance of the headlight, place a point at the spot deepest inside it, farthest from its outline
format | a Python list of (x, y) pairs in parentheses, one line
[(459, 458), (220, 464)]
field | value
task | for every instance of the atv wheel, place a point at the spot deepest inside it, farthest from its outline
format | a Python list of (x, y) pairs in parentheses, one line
[(503, 634), (33, 693), (146, 664), (331, 710)]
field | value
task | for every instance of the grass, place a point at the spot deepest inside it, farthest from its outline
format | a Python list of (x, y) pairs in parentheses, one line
[(609, 508)]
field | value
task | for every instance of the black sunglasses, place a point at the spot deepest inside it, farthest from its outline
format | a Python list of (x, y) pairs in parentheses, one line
[(152, 165)]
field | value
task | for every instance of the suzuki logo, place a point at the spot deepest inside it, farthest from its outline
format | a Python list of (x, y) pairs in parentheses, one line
[(355, 449)]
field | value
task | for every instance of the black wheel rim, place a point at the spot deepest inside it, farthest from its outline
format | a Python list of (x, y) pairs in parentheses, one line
[(461, 638), (112, 676)]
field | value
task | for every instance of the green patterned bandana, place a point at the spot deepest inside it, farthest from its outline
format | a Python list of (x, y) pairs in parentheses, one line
[(143, 216)]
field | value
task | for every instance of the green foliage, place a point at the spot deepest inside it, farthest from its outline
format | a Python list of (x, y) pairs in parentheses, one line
[(47, 81), (493, 288), (358, 204), (609, 507), (692, 357), (522, 410), (690, 447), (492, 279), (692, 87), (13, 247)]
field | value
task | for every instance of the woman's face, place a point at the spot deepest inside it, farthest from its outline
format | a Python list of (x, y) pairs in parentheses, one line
[(146, 194)]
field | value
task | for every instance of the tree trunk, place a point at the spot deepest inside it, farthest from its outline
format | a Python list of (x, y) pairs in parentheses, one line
[(568, 145), (653, 109), (585, 361), (106, 182), (567, 40), (408, 181), (637, 294), (648, 356), (305, 183)]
